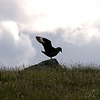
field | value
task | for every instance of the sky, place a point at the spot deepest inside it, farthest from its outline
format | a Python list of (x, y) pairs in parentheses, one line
[(73, 25)]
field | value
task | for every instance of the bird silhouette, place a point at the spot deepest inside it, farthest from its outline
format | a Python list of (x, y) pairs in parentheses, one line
[(50, 51)]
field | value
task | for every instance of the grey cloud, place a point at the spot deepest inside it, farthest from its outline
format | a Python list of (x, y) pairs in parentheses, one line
[(8, 9), (14, 10), (81, 35)]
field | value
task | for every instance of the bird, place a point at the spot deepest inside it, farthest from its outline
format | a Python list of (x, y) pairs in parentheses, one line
[(50, 51)]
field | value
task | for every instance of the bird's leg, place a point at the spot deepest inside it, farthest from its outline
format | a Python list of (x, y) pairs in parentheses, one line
[(51, 57)]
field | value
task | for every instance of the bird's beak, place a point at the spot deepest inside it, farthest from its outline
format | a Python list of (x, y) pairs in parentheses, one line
[(61, 50)]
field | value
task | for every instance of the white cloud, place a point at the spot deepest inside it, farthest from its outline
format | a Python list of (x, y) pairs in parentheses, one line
[(14, 48), (48, 15), (11, 27)]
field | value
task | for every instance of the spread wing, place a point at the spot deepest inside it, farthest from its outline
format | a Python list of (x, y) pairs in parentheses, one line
[(46, 43)]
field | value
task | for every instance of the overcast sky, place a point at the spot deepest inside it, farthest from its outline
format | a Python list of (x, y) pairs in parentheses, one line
[(72, 24)]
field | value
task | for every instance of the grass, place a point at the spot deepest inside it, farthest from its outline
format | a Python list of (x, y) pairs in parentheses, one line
[(50, 83)]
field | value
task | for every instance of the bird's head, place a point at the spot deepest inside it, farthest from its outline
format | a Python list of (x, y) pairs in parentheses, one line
[(59, 49)]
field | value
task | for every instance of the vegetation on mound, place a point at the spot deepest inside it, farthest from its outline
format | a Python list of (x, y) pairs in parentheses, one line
[(50, 83)]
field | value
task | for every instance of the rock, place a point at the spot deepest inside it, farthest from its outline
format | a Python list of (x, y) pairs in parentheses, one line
[(51, 62), (47, 63)]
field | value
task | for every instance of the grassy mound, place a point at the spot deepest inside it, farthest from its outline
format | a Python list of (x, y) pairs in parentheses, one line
[(50, 83)]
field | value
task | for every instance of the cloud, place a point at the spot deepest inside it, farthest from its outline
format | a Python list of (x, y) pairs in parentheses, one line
[(15, 47), (83, 34), (75, 22), (77, 18), (45, 15)]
